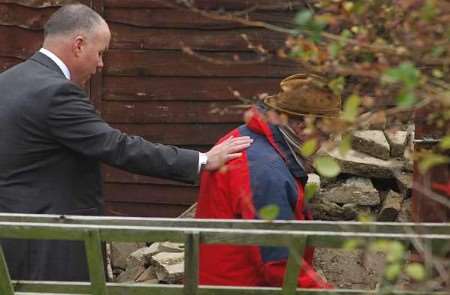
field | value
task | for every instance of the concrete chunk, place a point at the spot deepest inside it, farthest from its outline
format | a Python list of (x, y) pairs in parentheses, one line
[(355, 190), (397, 140), (120, 252), (371, 142), (169, 266), (391, 207), (360, 164)]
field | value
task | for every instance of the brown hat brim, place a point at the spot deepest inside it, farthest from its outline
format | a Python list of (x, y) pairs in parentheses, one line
[(271, 102)]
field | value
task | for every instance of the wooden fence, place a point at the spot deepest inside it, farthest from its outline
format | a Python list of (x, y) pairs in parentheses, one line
[(292, 234)]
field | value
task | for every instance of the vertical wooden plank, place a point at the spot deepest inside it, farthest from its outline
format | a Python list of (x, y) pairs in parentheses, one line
[(5, 280), (294, 265), (95, 262), (191, 252)]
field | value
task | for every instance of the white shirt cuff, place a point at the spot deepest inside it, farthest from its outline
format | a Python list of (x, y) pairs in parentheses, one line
[(202, 160)]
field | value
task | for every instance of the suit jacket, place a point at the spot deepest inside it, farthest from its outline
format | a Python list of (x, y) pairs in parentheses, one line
[(51, 145)]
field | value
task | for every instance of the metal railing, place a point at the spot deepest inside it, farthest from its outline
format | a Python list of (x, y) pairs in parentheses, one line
[(292, 234)]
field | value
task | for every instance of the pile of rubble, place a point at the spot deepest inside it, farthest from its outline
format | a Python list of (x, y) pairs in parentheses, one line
[(375, 179)]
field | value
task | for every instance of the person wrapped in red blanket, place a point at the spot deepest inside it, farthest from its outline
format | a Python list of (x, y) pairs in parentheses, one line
[(269, 172)]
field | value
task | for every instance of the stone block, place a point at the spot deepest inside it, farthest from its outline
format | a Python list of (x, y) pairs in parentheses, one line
[(360, 164), (391, 207), (398, 141), (355, 190), (371, 142)]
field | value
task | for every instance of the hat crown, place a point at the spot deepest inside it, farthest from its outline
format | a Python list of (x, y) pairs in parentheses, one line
[(304, 94)]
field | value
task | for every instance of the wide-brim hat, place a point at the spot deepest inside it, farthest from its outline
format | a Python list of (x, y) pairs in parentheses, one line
[(305, 94)]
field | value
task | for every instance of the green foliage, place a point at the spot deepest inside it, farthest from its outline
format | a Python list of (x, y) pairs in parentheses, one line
[(269, 212), (351, 106), (408, 75), (415, 271), (309, 147), (327, 166), (392, 271), (345, 144), (431, 159), (337, 85), (445, 143), (310, 190), (309, 25)]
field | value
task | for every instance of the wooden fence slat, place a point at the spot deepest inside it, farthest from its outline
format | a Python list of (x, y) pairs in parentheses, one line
[(132, 37), (294, 265), (94, 256), (6, 287), (210, 5), (191, 263), (187, 19), (185, 89), (199, 134), (149, 63)]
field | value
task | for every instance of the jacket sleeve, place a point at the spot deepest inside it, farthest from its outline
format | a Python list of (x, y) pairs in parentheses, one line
[(73, 122)]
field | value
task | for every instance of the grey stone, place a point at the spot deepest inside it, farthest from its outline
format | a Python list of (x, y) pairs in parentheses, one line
[(371, 142), (142, 256), (398, 141), (120, 252), (391, 207), (170, 247), (131, 274), (325, 210), (169, 266), (404, 182), (355, 190), (360, 164), (149, 276)]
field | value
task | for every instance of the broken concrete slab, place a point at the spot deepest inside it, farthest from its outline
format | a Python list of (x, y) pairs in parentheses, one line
[(371, 142), (149, 276), (391, 207), (360, 164), (398, 141), (120, 252), (404, 182), (142, 256), (169, 266), (356, 190), (170, 247), (325, 210)]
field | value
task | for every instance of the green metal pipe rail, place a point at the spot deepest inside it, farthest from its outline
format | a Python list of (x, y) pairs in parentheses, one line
[(292, 234)]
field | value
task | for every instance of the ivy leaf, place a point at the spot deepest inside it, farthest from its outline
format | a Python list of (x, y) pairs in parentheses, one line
[(430, 160), (269, 212), (415, 271), (392, 271), (327, 166), (310, 190), (351, 106), (309, 147), (445, 143)]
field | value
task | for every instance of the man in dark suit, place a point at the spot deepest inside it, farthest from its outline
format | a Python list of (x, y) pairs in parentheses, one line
[(52, 143)]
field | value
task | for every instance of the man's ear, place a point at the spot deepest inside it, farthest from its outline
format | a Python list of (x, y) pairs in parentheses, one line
[(78, 45)]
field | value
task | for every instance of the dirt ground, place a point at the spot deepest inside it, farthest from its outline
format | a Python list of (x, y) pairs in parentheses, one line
[(349, 269)]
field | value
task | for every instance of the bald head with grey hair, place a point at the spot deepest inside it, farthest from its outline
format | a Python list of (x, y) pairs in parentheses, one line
[(79, 37), (71, 19)]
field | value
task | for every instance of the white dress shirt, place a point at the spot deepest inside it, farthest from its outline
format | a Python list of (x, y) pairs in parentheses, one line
[(57, 61)]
